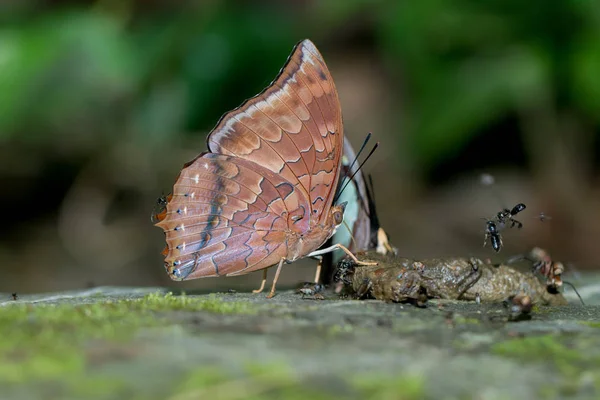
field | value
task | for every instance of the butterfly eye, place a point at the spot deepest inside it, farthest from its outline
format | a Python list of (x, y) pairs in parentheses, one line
[(338, 217)]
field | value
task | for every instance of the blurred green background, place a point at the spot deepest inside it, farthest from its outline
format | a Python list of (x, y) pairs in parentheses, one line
[(101, 103)]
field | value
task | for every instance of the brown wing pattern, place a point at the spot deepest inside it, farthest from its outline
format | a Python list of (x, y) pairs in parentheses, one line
[(293, 128), (229, 216)]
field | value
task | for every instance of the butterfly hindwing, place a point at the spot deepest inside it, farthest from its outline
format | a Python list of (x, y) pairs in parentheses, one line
[(228, 215)]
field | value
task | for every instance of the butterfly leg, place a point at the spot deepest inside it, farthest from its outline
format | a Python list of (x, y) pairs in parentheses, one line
[(339, 246), (318, 271), (272, 292), (262, 284), (353, 257)]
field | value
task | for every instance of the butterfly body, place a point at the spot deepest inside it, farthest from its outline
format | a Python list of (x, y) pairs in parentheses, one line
[(263, 193)]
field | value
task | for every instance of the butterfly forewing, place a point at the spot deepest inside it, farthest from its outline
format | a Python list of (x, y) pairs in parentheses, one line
[(293, 128)]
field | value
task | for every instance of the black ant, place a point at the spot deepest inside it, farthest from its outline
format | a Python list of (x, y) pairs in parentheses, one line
[(492, 233), (507, 215)]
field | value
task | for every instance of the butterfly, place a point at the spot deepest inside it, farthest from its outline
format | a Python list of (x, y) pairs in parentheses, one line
[(263, 193), (361, 230)]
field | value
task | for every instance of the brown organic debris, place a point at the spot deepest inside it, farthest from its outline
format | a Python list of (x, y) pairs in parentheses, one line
[(454, 278)]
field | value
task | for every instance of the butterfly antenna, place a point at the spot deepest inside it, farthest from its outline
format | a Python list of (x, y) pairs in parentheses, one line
[(357, 171), (575, 290), (362, 147)]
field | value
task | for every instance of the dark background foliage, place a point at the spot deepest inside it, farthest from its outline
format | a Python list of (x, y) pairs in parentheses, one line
[(102, 102)]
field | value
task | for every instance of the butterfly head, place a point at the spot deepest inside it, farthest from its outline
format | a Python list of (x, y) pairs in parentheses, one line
[(160, 208), (336, 216)]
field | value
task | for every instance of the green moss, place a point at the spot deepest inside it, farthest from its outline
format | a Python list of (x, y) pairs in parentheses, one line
[(256, 381), (212, 303), (45, 341), (538, 348), (573, 357), (278, 381), (336, 330), (593, 324), (92, 387), (404, 387)]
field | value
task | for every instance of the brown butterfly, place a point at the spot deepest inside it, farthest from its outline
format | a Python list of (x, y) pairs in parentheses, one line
[(263, 193)]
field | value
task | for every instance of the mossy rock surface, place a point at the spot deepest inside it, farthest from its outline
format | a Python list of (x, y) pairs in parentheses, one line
[(128, 343)]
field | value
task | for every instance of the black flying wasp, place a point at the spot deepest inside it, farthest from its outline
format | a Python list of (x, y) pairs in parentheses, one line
[(491, 232), (501, 219), (505, 216)]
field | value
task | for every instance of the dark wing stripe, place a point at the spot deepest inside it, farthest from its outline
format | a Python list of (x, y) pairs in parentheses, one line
[(245, 270)]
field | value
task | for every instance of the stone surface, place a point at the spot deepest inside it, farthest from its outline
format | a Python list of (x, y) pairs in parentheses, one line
[(289, 347)]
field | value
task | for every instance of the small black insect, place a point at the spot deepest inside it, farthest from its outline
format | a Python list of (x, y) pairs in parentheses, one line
[(312, 289), (507, 215), (344, 272), (491, 232)]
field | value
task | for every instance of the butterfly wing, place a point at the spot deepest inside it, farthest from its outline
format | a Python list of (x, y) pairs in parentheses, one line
[(357, 214), (293, 128), (229, 216), (272, 168)]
